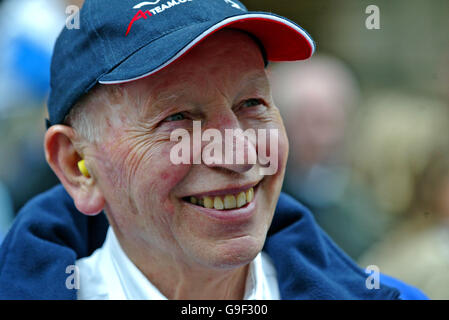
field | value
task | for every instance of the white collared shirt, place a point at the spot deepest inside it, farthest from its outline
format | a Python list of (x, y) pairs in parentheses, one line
[(108, 274)]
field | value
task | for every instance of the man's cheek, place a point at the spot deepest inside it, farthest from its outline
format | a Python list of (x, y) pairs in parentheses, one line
[(170, 174), (163, 177), (283, 150), (272, 150), (108, 169), (282, 145)]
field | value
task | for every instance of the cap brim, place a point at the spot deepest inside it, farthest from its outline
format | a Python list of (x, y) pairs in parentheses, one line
[(282, 40)]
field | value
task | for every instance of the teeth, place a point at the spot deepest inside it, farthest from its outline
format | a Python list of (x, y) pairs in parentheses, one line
[(208, 202), (218, 203), (250, 195), (228, 202), (241, 199)]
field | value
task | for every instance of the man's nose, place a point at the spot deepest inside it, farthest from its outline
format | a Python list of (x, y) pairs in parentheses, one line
[(238, 146)]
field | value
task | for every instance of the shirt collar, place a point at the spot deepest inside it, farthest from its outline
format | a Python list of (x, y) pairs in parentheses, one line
[(261, 283)]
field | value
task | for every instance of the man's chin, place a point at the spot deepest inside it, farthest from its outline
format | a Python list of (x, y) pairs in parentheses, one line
[(232, 253)]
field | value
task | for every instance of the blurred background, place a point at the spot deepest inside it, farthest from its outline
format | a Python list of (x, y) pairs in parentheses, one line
[(367, 118)]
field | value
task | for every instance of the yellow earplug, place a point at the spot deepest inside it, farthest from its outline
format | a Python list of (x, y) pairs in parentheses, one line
[(83, 169)]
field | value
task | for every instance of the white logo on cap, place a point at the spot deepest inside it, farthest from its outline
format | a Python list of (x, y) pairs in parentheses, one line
[(146, 3), (154, 11), (233, 4)]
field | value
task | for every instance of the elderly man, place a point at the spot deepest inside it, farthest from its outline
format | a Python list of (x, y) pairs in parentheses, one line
[(121, 85)]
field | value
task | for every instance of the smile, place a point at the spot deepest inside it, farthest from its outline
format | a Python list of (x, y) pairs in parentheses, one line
[(229, 201), (225, 199)]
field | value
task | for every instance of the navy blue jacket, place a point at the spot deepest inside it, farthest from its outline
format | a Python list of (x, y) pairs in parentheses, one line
[(49, 234)]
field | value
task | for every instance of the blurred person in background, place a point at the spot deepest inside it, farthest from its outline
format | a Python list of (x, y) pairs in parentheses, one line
[(403, 153), (395, 136), (317, 100)]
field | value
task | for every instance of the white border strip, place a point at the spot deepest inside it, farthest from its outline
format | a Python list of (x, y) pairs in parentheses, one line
[(211, 30)]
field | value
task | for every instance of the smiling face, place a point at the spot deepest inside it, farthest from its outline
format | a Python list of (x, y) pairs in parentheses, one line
[(222, 83)]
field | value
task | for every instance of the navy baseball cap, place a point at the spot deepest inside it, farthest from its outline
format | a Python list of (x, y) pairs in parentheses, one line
[(125, 40)]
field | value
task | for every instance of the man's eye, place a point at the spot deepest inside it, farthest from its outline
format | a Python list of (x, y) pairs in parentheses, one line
[(175, 117), (252, 103)]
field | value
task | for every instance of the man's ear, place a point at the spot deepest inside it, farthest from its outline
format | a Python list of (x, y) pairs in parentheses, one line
[(63, 158)]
